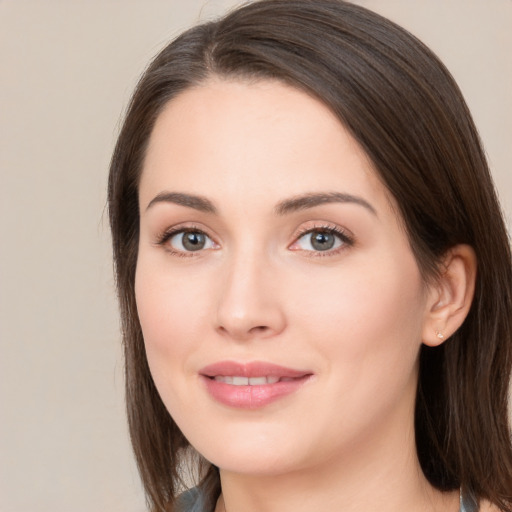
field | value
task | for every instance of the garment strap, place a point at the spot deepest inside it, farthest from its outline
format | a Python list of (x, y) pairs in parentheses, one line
[(468, 502)]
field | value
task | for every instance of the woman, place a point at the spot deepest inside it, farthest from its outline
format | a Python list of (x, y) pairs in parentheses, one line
[(314, 274)]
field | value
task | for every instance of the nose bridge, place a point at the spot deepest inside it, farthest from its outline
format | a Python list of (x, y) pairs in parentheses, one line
[(248, 304)]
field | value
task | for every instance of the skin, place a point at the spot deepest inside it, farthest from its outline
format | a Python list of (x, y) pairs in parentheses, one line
[(354, 316)]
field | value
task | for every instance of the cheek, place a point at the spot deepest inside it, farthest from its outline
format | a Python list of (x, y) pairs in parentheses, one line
[(366, 327), (368, 320), (170, 309)]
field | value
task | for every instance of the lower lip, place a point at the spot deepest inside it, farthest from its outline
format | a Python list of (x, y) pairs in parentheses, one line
[(252, 397)]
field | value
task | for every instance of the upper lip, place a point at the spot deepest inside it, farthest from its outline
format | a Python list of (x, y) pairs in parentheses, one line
[(251, 369)]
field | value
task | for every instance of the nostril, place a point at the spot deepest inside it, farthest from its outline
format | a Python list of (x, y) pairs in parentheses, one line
[(260, 328)]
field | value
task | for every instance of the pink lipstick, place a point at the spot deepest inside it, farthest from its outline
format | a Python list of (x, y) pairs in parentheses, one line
[(251, 385)]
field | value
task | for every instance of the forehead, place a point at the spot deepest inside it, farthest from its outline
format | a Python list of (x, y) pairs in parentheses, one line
[(261, 136)]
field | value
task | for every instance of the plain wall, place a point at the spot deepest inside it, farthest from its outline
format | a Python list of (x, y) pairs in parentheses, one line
[(67, 70)]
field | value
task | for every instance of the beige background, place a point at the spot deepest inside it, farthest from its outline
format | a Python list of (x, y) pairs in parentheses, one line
[(67, 70)]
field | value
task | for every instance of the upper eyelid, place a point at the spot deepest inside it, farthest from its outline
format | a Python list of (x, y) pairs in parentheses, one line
[(324, 226), (165, 237), (169, 232), (344, 235)]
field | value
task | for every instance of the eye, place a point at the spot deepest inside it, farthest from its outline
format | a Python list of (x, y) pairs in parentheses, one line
[(322, 239), (187, 240)]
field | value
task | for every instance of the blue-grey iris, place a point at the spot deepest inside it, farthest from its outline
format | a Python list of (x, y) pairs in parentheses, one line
[(322, 241), (193, 241)]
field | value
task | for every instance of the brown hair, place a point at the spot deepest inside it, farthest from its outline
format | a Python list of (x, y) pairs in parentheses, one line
[(405, 110)]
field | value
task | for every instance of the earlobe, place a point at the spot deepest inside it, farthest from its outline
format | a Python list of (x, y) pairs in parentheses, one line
[(451, 296)]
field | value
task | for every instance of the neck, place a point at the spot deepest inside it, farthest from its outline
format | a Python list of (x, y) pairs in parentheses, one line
[(380, 473)]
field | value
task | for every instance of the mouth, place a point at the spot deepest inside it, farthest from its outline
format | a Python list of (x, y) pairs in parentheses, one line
[(251, 385), (237, 380)]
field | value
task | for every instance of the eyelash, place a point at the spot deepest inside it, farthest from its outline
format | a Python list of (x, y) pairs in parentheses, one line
[(169, 233), (346, 239)]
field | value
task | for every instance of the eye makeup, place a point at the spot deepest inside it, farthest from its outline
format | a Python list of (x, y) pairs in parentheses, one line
[(332, 237), (325, 239), (198, 241)]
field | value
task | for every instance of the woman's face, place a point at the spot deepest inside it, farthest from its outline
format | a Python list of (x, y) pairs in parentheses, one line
[(281, 305)]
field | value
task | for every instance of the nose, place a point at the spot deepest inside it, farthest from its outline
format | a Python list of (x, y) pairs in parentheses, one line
[(248, 303)]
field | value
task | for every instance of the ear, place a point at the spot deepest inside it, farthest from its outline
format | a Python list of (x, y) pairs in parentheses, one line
[(450, 297)]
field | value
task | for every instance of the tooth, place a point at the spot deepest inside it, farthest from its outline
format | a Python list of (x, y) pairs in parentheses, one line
[(224, 378), (257, 381), (249, 381)]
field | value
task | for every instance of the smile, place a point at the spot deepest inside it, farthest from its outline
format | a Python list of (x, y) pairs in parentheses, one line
[(250, 381), (251, 385)]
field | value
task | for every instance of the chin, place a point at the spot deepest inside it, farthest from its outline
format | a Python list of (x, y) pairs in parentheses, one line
[(255, 465), (251, 453)]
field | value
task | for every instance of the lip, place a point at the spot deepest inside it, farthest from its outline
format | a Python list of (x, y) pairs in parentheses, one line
[(252, 396)]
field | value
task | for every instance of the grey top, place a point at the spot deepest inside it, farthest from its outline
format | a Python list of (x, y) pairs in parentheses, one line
[(192, 501), (468, 503)]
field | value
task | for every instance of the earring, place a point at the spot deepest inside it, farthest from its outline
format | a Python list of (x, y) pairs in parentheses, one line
[(440, 335)]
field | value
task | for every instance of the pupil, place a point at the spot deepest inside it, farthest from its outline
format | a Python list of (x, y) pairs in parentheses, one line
[(322, 241), (193, 241)]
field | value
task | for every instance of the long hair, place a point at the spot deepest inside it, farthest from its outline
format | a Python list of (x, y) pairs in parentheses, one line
[(405, 110)]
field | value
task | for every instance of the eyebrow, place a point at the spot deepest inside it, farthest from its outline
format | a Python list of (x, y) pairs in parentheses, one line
[(306, 201), (191, 201), (298, 203)]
